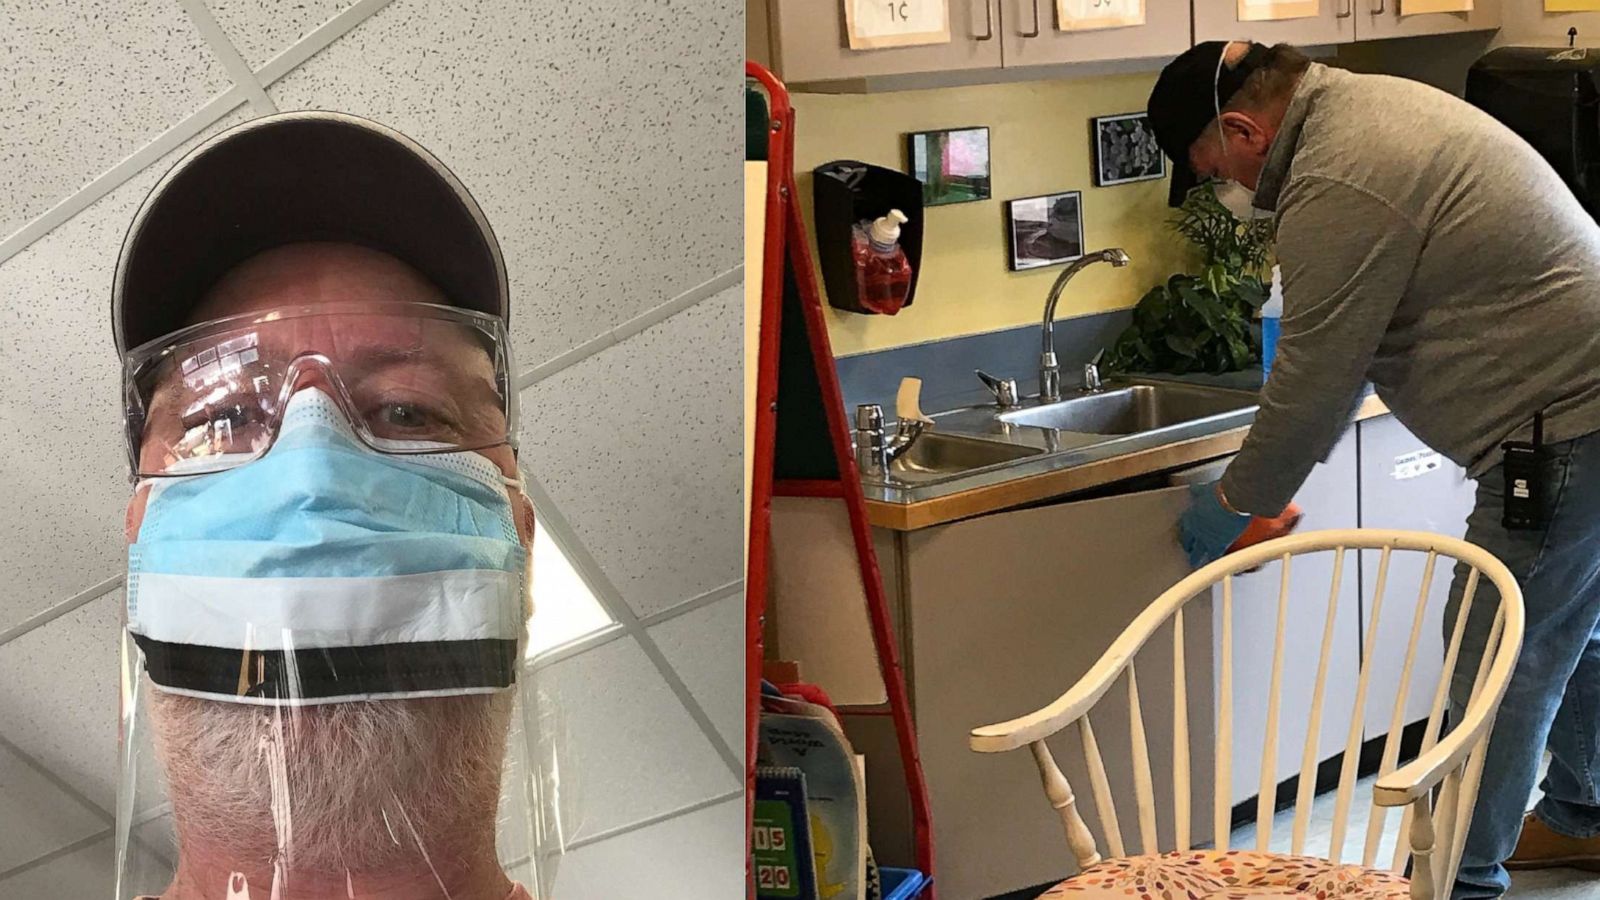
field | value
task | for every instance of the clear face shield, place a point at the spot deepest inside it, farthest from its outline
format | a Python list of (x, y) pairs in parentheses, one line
[(323, 686)]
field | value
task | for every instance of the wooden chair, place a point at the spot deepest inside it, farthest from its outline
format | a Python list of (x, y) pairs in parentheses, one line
[(1437, 788)]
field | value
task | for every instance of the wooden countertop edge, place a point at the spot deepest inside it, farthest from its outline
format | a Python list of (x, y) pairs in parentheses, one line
[(995, 497)]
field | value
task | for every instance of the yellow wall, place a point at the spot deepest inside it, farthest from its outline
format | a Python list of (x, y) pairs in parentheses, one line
[(1038, 144)]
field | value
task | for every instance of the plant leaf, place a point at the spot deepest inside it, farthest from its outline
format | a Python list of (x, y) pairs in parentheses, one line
[(1251, 292), (1183, 345)]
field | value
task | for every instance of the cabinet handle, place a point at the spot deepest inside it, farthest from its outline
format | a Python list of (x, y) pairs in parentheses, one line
[(1035, 31), (988, 22), (1349, 10), (1379, 11)]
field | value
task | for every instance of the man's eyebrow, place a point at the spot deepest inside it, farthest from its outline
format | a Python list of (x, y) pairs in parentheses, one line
[(376, 355)]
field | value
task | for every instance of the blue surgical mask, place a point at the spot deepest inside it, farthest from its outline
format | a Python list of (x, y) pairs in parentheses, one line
[(325, 572)]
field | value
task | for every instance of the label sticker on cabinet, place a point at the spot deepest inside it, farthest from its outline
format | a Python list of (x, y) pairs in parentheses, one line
[(876, 24), (1418, 462)]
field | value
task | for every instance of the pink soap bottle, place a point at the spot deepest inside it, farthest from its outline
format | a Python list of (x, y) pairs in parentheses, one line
[(883, 274)]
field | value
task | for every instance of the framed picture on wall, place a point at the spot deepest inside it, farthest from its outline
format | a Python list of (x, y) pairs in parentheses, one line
[(1125, 150), (1045, 231), (952, 164)]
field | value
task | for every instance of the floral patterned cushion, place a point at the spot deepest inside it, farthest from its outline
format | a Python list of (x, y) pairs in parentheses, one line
[(1233, 875)]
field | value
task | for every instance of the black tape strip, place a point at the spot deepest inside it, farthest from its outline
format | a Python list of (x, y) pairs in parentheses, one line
[(331, 672)]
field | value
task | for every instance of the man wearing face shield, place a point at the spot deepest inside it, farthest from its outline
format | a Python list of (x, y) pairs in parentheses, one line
[(1426, 249), (328, 544)]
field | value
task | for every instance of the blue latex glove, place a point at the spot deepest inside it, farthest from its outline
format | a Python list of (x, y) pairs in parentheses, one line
[(1208, 528)]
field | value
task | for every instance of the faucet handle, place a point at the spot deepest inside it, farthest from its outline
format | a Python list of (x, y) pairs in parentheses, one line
[(1003, 389), (869, 417), (1091, 377)]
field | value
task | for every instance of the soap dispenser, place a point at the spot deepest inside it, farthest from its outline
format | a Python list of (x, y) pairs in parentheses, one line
[(883, 274)]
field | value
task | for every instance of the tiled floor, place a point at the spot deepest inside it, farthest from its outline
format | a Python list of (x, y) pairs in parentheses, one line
[(1549, 884)]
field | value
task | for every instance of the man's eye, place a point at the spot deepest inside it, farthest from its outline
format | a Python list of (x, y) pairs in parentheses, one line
[(404, 416)]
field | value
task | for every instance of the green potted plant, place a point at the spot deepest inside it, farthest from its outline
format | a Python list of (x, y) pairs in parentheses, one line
[(1204, 322)]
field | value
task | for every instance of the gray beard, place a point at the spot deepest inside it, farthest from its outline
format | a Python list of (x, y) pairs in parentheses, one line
[(369, 786)]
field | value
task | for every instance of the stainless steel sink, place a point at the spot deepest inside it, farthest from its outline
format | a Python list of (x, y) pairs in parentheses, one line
[(985, 444), (1131, 409), (936, 455)]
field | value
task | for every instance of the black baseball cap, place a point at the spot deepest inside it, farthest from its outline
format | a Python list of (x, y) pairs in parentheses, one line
[(299, 176), (1183, 103)]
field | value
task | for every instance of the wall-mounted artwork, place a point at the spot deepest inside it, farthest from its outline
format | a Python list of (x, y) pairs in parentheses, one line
[(1045, 230), (952, 164), (1125, 150)]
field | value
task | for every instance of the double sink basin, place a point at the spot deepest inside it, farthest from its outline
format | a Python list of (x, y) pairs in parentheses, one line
[(1124, 417)]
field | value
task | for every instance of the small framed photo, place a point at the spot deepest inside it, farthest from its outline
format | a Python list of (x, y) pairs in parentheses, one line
[(1125, 150), (1045, 230), (952, 164)]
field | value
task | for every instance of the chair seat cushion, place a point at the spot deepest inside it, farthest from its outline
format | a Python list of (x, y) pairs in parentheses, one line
[(1213, 875)]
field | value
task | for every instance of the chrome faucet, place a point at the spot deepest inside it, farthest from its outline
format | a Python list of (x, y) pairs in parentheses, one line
[(1049, 369), (1091, 374), (1003, 389), (875, 450)]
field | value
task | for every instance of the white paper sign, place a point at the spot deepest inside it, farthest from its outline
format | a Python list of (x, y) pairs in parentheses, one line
[(1416, 464), (1273, 10), (1087, 15), (1419, 7), (873, 24)]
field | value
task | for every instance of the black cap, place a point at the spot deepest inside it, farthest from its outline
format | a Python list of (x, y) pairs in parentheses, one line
[(299, 176), (1183, 103)]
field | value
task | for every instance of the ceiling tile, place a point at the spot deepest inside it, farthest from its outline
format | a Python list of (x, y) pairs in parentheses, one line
[(60, 397), (60, 700), (261, 29), (630, 751), (639, 447), (87, 84), (706, 648), (688, 857), (602, 139), (87, 872), (36, 815)]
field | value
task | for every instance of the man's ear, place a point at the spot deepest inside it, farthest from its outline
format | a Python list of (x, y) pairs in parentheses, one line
[(524, 513), (1245, 129), (135, 514)]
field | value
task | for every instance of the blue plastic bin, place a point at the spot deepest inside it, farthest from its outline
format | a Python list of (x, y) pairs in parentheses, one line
[(901, 884)]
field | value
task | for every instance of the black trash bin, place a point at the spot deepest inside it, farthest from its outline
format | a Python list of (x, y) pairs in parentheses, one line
[(1551, 97)]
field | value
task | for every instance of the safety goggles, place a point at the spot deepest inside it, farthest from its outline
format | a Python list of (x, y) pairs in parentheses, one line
[(412, 378)]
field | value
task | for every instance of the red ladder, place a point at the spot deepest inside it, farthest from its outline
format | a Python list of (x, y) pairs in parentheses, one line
[(794, 342)]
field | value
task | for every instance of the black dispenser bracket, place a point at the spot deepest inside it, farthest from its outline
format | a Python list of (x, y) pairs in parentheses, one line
[(843, 193)]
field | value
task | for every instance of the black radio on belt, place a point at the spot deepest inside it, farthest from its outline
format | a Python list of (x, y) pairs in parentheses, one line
[(1529, 481)]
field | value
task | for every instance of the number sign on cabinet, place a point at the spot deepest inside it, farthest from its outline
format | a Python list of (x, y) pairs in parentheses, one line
[(1087, 15), (874, 24)]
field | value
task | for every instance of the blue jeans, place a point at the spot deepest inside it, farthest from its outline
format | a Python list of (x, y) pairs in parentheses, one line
[(1554, 697)]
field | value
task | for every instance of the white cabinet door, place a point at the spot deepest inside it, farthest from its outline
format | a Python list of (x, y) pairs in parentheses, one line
[(1405, 486), (1329, 501), (1376, 19), (1218, 20), (1005, 612), (810, 44), (1032, 36)]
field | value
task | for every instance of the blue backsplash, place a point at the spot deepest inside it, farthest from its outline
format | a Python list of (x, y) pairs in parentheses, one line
[(945, 367)]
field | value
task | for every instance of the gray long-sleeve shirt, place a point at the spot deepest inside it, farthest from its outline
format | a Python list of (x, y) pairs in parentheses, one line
[(1426, 248)]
